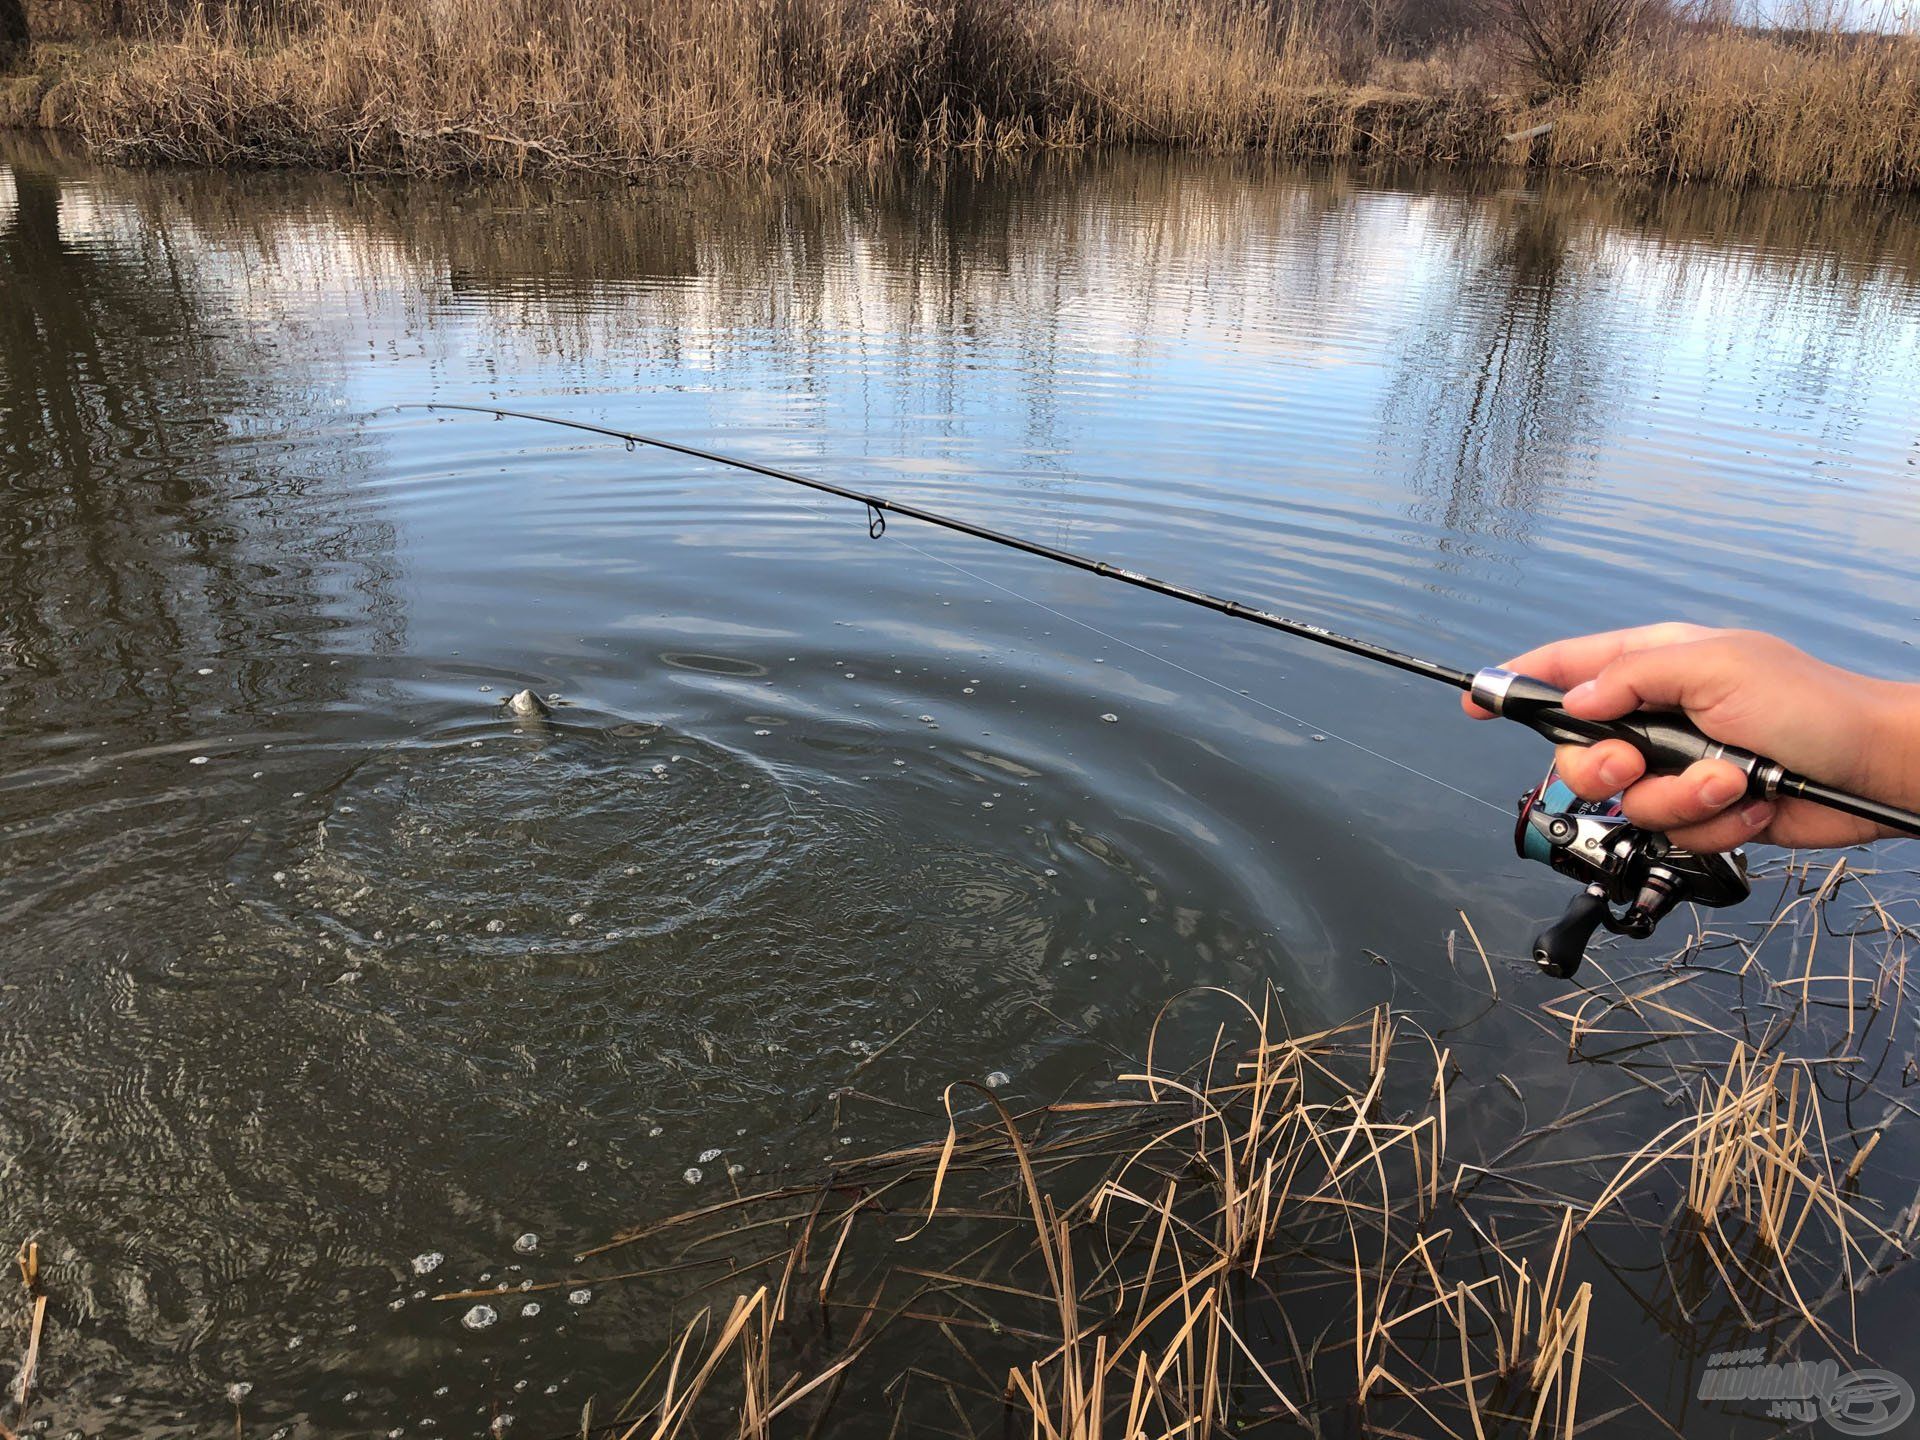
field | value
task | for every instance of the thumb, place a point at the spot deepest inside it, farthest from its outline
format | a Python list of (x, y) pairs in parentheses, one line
[(1693, 677)]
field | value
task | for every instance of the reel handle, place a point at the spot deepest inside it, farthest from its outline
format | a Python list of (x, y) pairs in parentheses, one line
[(1668, 742), (1559, 949)]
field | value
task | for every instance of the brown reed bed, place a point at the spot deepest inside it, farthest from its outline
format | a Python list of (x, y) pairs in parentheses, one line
[(515, 87), (1306, 1230)]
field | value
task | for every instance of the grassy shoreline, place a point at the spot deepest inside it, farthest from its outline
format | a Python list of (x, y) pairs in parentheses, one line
[(522, 87)]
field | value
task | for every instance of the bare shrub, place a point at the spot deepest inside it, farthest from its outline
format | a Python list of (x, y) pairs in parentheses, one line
[(1564, 42)]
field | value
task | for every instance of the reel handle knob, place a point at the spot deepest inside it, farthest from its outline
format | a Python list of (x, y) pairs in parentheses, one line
[(1559, 949), (1666, 739)]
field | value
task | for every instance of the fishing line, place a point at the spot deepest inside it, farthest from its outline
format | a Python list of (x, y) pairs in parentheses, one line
[(821, 507), (1188, 670)]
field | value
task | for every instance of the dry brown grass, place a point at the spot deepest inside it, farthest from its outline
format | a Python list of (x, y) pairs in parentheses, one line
[(509, 86), (522, 86), (1748, 109)]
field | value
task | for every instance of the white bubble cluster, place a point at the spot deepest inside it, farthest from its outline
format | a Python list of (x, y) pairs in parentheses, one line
[(428, 1263), (479, 1317)]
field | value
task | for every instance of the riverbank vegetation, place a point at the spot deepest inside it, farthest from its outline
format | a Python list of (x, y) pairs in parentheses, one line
[(519, 86), (1359, 1228)]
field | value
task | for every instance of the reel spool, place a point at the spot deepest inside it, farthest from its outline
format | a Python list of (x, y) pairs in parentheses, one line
[(1633, 877)]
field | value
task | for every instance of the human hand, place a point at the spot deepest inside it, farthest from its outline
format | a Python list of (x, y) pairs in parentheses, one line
[(1742, 688)]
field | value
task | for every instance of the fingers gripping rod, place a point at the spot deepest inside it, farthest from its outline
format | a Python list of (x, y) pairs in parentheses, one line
[(1668, 741)]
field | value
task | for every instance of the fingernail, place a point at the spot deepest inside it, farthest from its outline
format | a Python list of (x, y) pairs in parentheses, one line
[(1616, 771), (1579, 694), (1720, 790), (1755, 815)]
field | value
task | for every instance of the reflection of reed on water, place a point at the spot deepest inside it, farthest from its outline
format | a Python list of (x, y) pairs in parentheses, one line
[(114, 359)]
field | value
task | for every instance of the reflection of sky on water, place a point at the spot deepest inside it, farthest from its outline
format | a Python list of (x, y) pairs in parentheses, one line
[(1335, 367)]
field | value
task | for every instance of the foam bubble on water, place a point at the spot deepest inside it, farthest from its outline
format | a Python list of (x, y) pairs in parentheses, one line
[(580, 1296), (428, 1263), (198, 760), (656, 1132), (238, 1390), (494, 927), (1111, 718), (530, 1309), (736, 1170), (479, 1317), (997, 1079), (397, 1304), (527, 1243), (501, 1422), (693, 1175), (707, 1157)]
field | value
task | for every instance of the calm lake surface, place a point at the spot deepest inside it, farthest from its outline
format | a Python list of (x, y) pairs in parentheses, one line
[(312, 962)]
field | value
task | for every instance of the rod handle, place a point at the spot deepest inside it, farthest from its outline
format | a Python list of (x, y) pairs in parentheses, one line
[(1669, 742)]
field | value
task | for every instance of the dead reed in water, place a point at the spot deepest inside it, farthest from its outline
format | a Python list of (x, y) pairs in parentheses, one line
[(1294, 1228)]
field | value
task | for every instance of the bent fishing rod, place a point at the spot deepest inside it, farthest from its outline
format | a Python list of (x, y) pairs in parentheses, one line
[(1622, 865)]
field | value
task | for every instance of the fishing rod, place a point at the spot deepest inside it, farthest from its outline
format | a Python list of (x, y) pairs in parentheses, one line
[(1621, 864)]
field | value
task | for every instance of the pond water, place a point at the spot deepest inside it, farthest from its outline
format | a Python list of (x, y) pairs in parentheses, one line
[(313, 961)]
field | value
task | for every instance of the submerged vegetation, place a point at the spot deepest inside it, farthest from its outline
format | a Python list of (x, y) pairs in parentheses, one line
[(514, 86), (1303, 1230)]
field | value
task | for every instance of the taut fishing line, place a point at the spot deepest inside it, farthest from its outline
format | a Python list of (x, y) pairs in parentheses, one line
[(1632, 877), (1221, 685)]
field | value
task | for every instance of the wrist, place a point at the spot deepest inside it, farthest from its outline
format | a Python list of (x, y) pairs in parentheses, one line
[(1892, 769)]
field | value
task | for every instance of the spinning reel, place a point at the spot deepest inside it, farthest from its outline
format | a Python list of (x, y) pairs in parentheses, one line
[(1640, 872)]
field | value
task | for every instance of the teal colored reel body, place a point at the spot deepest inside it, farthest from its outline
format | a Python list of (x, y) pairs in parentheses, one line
[(1632, 877)]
